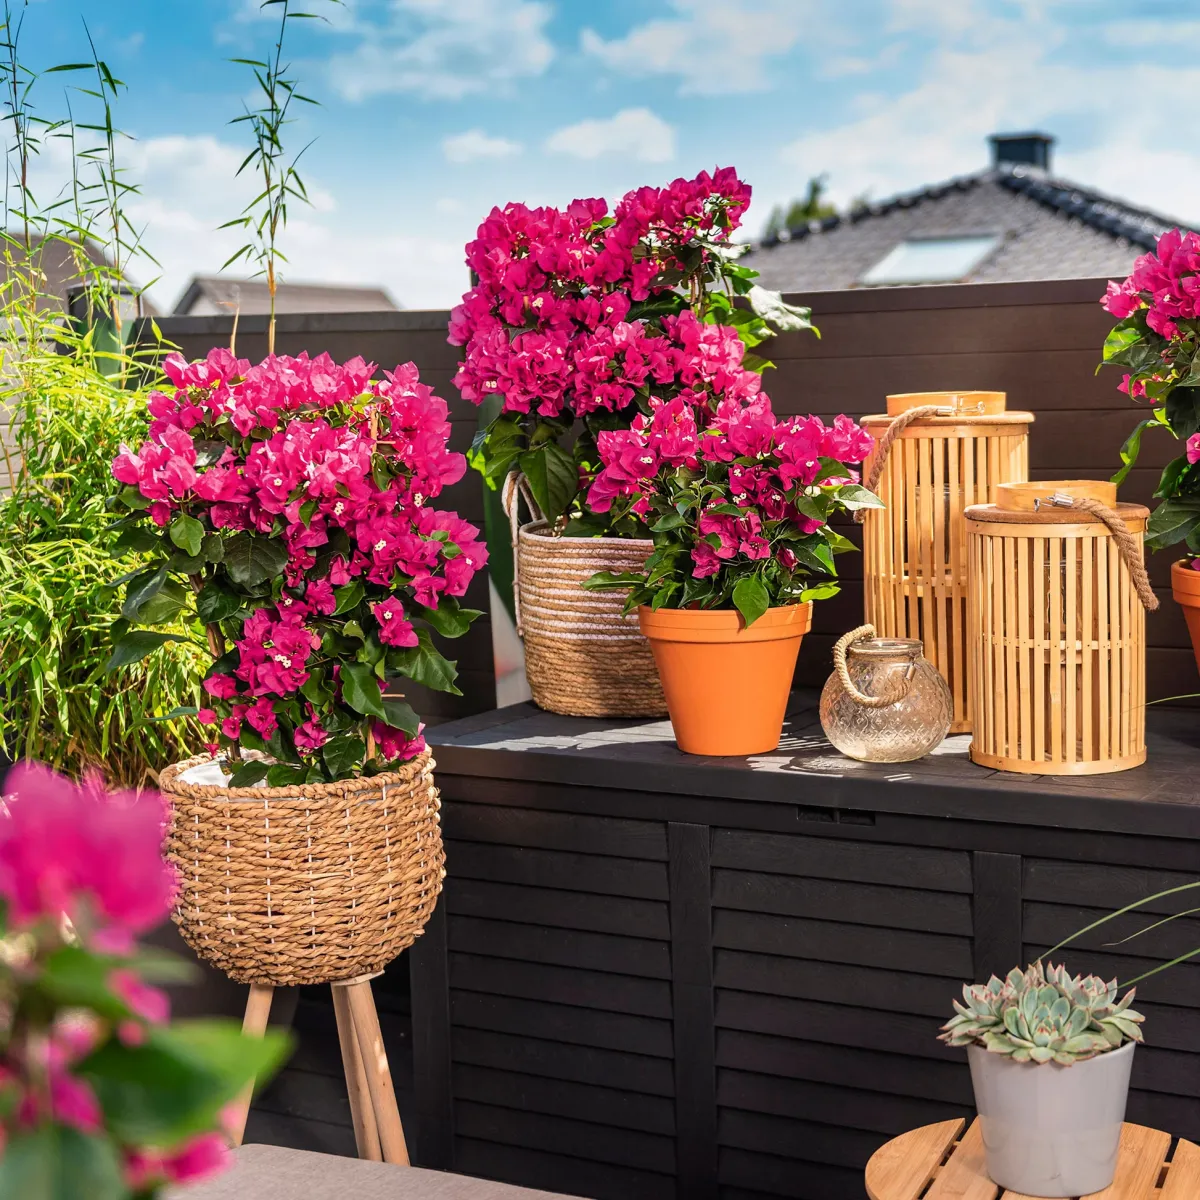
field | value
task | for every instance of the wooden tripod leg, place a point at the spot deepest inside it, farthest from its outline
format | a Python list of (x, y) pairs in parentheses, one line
[(258, 1012), (362, 1111), (379, 1078)]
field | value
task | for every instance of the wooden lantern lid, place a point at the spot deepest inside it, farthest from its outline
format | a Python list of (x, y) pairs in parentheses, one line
[(1033, 504), (1034, 496), (966, 404)]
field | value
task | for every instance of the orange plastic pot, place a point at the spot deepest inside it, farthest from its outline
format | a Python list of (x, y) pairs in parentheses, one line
[(1185, 587), (726, 686)]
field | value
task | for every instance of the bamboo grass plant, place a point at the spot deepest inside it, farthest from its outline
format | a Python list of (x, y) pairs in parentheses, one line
[(70, 392)]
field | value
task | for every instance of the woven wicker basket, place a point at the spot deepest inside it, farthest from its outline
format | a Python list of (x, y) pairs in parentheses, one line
[(583, 656), (310, 884)]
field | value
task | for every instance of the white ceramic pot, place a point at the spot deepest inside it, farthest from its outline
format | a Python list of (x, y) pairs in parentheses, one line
[(1050, 1130)]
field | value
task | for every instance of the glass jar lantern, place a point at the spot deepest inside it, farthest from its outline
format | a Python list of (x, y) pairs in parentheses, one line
[(885, 701), (935, 454)]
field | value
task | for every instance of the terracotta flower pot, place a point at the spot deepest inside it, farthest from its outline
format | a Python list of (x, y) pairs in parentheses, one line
[(1185, 587), (726, 686)]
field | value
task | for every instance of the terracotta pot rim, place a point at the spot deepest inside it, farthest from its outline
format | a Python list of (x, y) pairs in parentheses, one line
[(1185, 583), (725, 624)]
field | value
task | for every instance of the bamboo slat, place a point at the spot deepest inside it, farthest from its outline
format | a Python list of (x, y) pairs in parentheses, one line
[(915, 549), (1057, 637)]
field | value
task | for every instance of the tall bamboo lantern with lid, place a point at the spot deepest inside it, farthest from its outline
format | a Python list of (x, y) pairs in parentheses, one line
[(1058, 593), (935, 453)]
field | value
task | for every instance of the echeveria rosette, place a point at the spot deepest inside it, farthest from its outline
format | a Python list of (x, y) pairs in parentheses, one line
[(567, 332), (738, 503), (288, 505), (1043, 1015), (98, 1091), (1157, 342)]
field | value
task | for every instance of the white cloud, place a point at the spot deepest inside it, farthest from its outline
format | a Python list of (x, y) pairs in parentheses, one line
[(988, 75), (636, 132), (715, 47), (443, 49), (475, 144)]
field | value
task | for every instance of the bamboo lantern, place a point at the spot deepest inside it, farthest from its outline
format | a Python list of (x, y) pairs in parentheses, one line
[(1058, 593), (935, 453)]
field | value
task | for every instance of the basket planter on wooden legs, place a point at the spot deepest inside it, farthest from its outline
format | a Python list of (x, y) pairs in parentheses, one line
[(321, 883), (935, 454), (1058, 629)]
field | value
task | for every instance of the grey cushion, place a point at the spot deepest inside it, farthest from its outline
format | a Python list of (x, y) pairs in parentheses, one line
[(273, 1173)]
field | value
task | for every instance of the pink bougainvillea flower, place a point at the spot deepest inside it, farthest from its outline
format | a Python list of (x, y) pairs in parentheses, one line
[(1193, 448), (395, 629), (65, 845)]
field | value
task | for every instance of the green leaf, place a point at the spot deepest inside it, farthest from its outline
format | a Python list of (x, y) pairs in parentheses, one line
[(756, 363), (180, 710), (399, 714), (1130, 449), (74, 978), (822, 591), (137, 539), (314, 690), (360, 690), (187, 533), (1171, 522), (608, 581), (854, 495), (285, 775), (553, 478), (215, 602), (668, 522), (251, 559), (342, 755), (347, 597), (213, 548), (772, 307), (56, 1162), (423, 664), (750, 598), (142, 587), (1122, 336), (174, 1084), (249, 773), (448, 618), (165, 605), (1183, 411), (133, 647)]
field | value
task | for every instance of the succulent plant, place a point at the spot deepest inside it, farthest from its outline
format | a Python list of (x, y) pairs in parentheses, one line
[(1044, 1015)]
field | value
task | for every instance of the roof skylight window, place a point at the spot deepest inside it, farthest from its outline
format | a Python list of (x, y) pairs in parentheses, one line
[(932, 260)]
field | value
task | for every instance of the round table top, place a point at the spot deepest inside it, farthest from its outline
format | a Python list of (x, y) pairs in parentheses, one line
[(950, 1164)]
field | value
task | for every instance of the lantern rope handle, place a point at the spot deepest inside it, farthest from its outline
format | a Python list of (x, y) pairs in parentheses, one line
[(890, 434), (1128, 545), (516, 487), (843, 672)]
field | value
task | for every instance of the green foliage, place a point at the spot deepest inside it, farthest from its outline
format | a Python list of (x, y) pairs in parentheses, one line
[(67, 391), (265, 217), (1044, 1015), (813, 207)]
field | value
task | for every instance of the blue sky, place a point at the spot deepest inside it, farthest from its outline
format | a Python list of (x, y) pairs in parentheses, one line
[(434, 110)]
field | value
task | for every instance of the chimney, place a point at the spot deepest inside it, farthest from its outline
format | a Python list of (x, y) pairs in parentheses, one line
[(1021, 149)]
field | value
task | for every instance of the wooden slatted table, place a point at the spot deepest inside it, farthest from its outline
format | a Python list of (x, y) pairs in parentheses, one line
[(940, 1162)]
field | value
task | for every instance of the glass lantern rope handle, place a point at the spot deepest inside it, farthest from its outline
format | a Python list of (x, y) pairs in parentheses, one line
[(843, 672)]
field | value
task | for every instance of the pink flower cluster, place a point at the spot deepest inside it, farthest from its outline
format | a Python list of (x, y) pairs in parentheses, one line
[(1165, 281), (337, 467), (547, 324), (78, 853), (768, 462)]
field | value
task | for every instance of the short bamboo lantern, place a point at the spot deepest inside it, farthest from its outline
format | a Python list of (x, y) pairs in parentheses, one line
[(935, 453), (1058, 593)]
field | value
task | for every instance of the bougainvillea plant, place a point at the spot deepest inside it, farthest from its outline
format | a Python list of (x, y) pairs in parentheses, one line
[(288, 505), (571, 324), (738, 503), (100, 1096), (1157, 341)]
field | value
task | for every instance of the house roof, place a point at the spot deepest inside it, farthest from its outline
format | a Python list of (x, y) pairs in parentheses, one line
[(54, 258), (1048, 228), (217, 294)]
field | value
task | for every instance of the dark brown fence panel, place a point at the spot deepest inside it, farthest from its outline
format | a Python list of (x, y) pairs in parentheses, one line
[(387, 339)]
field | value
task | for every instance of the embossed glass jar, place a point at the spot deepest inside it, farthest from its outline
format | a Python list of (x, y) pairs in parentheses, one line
[(897, 708)]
